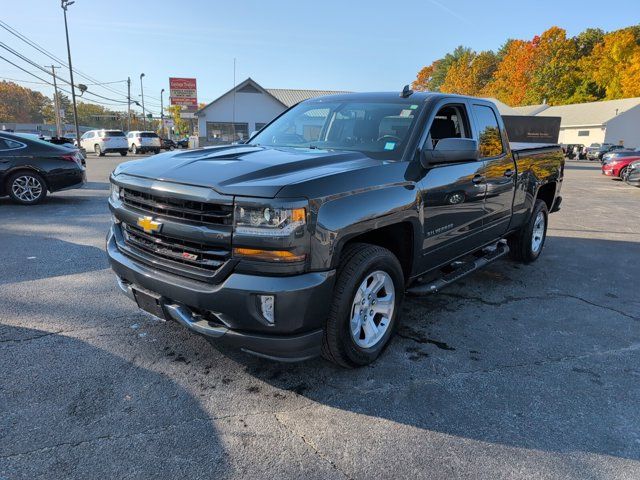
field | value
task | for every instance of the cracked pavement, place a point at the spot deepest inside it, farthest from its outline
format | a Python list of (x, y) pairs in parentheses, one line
[(514, 372)]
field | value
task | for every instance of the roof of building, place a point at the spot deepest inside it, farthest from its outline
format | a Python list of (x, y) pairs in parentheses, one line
[(531, 109), (592, 113), (286, 96), (503, 108), (290, 97)]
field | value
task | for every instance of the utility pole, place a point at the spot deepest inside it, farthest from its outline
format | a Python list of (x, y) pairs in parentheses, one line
[(56, 101), (64, 4), (233, 113), (144, 115), (162, 114), (128, 103)]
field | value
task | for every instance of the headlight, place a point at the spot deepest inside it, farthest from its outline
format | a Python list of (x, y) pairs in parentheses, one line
[(268, 221), (115, 192)]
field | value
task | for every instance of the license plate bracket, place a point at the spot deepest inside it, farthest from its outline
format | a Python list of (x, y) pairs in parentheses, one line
[(149, 303)]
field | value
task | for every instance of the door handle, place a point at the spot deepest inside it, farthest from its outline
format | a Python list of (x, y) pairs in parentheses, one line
[(477, 179), (509, 173)]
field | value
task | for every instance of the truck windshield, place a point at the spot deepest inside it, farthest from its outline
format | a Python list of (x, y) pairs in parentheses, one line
[(377, 129)]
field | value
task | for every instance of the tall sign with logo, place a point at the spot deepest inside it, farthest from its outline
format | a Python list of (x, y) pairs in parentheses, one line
[(183, 92)]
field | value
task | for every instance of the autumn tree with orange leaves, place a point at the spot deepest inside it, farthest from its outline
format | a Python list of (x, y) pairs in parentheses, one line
[(551, 67)]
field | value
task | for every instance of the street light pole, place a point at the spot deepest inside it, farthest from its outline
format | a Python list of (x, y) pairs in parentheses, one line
[(162, 113), (144, 115), (64, 4)]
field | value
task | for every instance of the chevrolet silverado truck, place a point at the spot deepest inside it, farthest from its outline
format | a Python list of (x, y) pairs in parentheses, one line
[(304, 240)]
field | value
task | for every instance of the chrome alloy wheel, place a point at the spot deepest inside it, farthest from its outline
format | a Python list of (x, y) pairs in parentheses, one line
[(372, 309), (26, 188), (538, 233)]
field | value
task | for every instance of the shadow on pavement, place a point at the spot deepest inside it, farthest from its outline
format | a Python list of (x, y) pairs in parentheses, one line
[(34, 257), (105, 418)]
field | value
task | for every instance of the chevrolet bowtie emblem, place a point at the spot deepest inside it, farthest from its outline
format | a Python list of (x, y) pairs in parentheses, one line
[(149, 225)]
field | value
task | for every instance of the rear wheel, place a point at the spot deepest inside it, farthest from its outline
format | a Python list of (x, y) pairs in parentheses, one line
[(526, 244), (98, 150), (365, 307), (26, 188), (134, 149), (124, 154)]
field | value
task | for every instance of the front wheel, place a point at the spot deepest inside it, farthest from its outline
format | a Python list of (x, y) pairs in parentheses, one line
[(623, 173), (366, 303), (526, 244), (27, 188)]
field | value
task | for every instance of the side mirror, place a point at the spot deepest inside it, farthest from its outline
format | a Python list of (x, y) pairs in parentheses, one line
[(450, 150)]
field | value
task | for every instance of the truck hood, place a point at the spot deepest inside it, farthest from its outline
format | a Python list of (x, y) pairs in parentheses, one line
[(246, 170)]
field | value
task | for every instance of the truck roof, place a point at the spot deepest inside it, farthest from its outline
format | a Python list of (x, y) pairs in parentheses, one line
[(415, 97)]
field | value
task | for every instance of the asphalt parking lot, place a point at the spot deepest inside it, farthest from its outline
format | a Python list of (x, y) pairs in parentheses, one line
[(515, 372)]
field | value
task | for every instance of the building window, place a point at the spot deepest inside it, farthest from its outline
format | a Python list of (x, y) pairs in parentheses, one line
[(259, 126), (221, 133), (583, 133)]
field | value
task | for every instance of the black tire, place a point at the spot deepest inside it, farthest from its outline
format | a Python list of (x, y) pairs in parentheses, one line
[(98, 150), (358, 261), (521, 242), (171, 147), (623, 173), (124, 154), (156, 151), (23, 200), (134, 149)]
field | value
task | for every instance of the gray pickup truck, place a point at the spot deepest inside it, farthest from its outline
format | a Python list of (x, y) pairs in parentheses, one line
[(304, 240)]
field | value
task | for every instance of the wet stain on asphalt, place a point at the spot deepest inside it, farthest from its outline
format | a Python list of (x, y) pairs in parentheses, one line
[(419, 337)]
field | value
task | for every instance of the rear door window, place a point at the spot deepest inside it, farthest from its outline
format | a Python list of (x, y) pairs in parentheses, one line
[(489, 137)]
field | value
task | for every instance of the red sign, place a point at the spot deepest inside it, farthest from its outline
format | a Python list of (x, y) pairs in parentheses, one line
[(183, 92)]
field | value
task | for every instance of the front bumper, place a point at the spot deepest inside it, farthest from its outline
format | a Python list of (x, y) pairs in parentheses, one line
[(301, 305)]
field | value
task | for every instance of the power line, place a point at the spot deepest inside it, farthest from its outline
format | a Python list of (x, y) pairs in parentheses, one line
[(51, 84), (45, 52), (28, 60), (22, 81)]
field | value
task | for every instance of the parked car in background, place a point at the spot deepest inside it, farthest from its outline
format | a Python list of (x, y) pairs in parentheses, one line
[(617, 167), (30, 167), (596, 151), (141, 142), (102, 142), (574, 150), (183, 142), (632, 176), (607, 157), (168, 144)]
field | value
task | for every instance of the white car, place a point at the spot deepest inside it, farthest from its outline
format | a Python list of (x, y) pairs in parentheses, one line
[(101, 142), (140, 142)]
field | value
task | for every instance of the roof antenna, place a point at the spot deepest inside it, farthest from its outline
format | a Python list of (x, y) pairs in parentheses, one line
[(406, 92)]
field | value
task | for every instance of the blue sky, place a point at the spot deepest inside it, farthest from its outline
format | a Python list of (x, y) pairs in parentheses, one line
[(330, 44)]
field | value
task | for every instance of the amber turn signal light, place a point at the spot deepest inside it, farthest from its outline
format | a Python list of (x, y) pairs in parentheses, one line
[(268, 255)]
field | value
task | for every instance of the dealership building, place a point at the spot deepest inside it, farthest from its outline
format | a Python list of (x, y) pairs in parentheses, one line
[(611, 121), (246, 108)]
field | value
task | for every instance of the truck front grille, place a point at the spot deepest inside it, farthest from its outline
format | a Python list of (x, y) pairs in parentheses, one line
[(180, 209), (171, 249)]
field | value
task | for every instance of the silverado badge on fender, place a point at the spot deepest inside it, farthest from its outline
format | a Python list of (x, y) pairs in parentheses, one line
[(149, 225)]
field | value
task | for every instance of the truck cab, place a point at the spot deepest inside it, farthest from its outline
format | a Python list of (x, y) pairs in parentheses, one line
[(304, 240)]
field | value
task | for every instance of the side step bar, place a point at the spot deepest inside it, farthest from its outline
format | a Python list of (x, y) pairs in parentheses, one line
[(462, 269)]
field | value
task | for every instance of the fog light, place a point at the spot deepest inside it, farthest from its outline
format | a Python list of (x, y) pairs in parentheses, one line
[(267, 307), (114, 219)]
